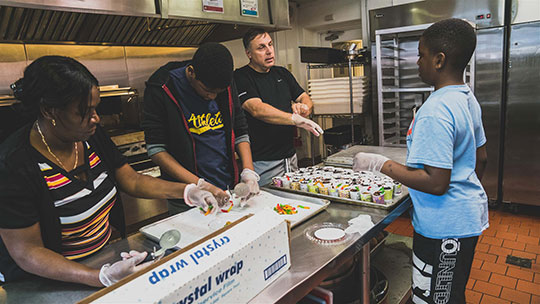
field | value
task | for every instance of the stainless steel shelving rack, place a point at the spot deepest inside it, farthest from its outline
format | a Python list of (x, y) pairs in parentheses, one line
[(399, 87), (357, 58)]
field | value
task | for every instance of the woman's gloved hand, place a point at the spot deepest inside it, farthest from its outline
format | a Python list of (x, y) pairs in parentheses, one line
[(250, 178), (307, 124), (196, 196), (368, 162), (110, 274)]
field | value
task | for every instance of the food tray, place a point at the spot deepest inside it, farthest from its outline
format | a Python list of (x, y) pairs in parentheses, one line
[(338, 180), (395, 200), (193, 225)]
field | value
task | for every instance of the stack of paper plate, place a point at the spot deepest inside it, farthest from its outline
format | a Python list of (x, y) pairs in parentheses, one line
[(332, 95)]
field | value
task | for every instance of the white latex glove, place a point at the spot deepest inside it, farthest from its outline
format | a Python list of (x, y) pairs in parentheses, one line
[(368, 162), (307, 124), (221, 196), (196, 196), (301, 109), (110, 274), (250, 178)]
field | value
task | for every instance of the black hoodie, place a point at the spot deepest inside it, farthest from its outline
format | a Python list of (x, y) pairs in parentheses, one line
[(165, 123)]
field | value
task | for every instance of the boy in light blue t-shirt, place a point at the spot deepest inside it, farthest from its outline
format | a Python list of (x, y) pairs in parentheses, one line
[(446, 157)]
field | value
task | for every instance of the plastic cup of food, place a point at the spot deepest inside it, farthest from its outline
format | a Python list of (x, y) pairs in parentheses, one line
[(304, 186), (388, 194), (323, 190), (295, 185), (354, 192), (397, 188), (333, 192), (344, 193), (312, 188), (277, 181), (286, 182), (378, 197), (365, 196)]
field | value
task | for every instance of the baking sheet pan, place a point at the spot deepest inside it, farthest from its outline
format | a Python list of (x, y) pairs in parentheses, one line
[(395, 200), (193, 225)]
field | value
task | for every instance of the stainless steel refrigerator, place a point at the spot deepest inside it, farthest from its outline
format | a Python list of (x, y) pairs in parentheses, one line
[(521, 169), (512, 121)]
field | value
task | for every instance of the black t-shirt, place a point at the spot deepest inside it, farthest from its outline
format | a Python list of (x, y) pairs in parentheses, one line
[(276, 88)]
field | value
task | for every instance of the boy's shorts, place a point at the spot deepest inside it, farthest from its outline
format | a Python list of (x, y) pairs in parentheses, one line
[(441, 269)]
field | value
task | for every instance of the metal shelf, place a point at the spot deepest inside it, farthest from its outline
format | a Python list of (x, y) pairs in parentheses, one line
[(337, 115), (333, 65), (392, 139), (392, 120), (392, 130), (390, 110), (390, 100), (406, 90)]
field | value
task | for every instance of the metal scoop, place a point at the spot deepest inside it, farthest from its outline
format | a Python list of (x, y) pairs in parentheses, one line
[(168, 240), (241, 190)]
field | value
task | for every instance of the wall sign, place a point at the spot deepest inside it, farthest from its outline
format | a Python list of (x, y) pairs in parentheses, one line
[(249, 8), (213, 6)]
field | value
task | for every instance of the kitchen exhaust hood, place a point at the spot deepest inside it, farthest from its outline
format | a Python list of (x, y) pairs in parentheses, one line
[(133, 22)]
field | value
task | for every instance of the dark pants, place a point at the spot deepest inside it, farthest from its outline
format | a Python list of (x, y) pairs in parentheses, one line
[(441, 269)]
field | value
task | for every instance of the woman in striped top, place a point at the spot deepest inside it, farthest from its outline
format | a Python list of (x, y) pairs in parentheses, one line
[(59, 178)]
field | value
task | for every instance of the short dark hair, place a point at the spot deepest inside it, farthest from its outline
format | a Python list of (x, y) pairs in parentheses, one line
[(453, 37), (251, 34), (213, 65), (54, 82)]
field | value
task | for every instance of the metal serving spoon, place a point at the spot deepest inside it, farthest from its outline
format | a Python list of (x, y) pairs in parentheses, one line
[(168, 240)]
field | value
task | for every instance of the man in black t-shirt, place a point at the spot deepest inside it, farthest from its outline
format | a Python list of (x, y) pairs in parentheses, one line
[(274, 103)]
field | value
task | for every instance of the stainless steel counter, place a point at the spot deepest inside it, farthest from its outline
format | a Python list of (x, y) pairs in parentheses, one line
[(311, 263)]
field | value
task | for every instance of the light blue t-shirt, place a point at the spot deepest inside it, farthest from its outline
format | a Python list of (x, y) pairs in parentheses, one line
[(445, 134)]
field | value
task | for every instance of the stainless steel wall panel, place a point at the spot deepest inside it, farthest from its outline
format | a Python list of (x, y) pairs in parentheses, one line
[(143, 61), (488, 82), (121, 7), (52, 22), (525, 11), (194, 10), (521, 174), (12, 63), (434, 10), (107, 63)]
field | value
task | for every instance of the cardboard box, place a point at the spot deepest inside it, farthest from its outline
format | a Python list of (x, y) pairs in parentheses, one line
[(230, 266)]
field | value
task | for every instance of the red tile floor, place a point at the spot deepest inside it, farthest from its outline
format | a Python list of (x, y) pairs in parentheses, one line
[(492, 280)]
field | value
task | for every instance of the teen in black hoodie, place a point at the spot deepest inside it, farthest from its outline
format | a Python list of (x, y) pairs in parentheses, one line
[(194, 124)]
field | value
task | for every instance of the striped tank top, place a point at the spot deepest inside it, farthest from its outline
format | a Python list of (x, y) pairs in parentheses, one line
[(83, 206)]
